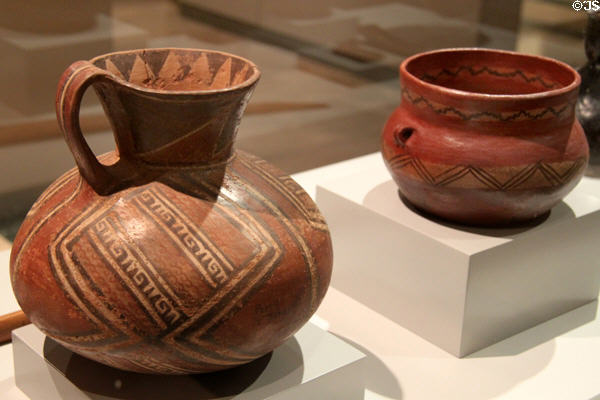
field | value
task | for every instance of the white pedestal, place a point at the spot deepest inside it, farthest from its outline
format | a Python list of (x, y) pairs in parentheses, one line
[(313, 364), (460, 288), (32, 63)]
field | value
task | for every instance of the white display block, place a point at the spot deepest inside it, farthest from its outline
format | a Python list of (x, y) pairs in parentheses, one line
[(460, 288), (33, 62), (313, 364)]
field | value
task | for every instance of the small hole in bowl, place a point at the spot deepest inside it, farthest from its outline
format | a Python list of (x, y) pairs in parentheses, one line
[(402, 136)]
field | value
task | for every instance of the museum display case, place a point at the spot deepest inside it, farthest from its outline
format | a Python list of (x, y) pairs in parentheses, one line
[(419, 306)]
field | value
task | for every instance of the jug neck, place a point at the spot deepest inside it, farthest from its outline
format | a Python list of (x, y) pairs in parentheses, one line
[(163, 129)]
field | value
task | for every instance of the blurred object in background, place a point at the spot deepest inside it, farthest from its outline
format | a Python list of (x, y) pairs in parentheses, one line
[(588, 104), (37, 39)]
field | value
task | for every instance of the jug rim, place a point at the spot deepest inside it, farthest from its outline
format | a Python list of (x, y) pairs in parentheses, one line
[(144, 89), (412, 79)]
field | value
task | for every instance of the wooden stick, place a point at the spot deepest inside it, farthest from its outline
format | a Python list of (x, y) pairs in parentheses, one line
[(11, 321)]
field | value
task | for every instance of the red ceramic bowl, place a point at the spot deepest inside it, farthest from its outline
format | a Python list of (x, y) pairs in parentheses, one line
[(485, 137)]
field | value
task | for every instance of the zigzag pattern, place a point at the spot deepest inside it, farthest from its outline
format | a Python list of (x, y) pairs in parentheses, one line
[(543, 113), (474, 72), (486, 178), (151, 68)]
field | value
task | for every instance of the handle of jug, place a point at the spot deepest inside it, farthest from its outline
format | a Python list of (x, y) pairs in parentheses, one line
[(104, 179)]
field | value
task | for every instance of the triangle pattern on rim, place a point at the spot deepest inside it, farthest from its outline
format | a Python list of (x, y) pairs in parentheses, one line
[(100, 63), (124, 62), (155, 60), (140, 72), (171, 68), (223, 75), (112, 68), (240, 76), (201, 69)]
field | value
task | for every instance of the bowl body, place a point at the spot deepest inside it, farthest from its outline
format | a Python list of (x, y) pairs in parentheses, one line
[(485, 137)]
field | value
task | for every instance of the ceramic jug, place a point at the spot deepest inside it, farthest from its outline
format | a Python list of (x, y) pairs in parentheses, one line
[(175, 253)]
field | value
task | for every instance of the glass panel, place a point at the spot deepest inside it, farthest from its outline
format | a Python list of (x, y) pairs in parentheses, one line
[(329, 68)]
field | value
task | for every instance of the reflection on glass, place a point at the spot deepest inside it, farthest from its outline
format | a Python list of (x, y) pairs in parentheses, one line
[(329, 67)]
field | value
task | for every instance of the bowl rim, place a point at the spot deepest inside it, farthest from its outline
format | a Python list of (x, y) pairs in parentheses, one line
[(406, 75)]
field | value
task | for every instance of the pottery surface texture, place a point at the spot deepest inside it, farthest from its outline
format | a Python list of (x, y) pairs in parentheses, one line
[(485, 137), (175, 254)]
